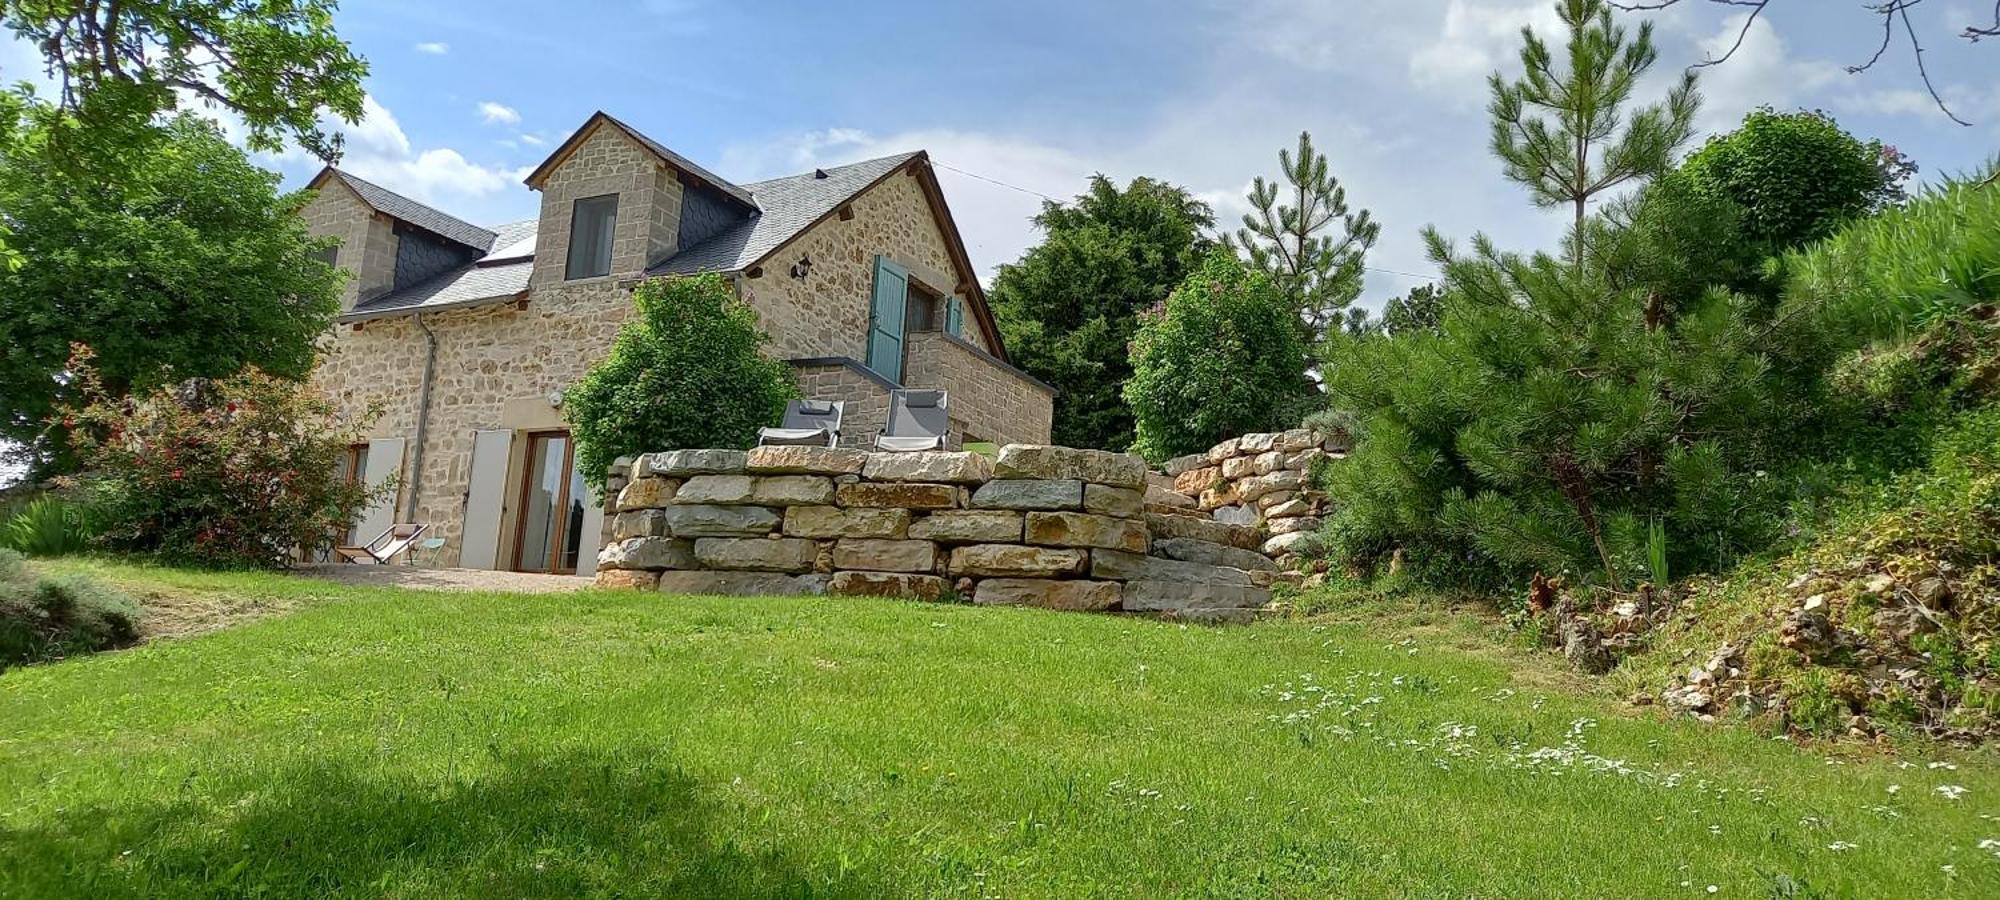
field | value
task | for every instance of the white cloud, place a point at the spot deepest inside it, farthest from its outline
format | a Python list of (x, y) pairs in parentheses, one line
[(532, 140), (433, 48), (1475, 40), (1762, 72), (379, 150), (498, 114)]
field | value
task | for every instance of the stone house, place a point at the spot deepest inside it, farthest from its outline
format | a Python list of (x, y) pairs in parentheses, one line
[(461, 339)]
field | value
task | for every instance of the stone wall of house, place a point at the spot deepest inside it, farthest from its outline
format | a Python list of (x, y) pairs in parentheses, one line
[(497, 367), (826, 312), (990, 401), (1039, 526), (865, 394), (649, 203), (1261, 481), (368, 243)]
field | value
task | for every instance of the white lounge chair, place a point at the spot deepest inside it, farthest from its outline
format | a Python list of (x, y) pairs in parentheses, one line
[(918, 420), (807, 423), (384, 547)]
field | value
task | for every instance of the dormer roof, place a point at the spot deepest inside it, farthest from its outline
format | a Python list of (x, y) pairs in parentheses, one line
[(680, 163), (408, 211)]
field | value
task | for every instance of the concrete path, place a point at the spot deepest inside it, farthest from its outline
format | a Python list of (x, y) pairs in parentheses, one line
[(446, 579)]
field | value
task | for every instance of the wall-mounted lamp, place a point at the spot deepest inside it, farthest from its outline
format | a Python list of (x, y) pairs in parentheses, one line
[(803, 267)]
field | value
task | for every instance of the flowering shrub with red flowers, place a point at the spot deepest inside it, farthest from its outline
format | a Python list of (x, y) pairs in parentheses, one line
[(241, 471)]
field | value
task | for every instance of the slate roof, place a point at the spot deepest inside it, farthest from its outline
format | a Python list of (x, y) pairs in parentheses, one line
[(786, 206), (438, 222), (684, 164)]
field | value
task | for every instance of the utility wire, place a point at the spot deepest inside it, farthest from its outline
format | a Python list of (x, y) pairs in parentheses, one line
[(1035, 193)]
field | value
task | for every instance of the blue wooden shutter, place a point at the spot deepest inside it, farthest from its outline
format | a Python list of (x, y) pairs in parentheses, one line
[(954, 316), (885, 319)]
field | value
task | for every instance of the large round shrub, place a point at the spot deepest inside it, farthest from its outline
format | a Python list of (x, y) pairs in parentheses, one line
[(1222, 357), (1796, 175), (687, 371)]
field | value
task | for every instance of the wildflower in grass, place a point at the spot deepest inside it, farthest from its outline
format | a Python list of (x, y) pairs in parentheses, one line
[(1895, 788), (1951, 791), (1839, 846)]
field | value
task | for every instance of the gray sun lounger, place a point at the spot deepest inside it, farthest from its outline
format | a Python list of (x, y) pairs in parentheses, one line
[(917, 421), (807, 423)]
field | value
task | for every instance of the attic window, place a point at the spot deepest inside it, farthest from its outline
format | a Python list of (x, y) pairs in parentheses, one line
[(592, 221)]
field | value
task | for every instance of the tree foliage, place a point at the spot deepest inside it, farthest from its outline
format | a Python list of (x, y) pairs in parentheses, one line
[(686, 371), (1219, 359), (276, 64), (231, 472), (1419, 310), (1069, 308), (1797, 176), (189, 264), (1314, 246), (1558, 132)]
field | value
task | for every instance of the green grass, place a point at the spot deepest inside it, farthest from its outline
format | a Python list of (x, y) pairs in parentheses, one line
[(378, 742)]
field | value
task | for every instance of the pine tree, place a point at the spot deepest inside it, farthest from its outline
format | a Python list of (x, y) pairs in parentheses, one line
[(1558, 132), (1318, 268)]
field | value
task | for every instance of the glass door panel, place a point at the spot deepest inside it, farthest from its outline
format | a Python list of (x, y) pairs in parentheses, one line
[(550, 532)]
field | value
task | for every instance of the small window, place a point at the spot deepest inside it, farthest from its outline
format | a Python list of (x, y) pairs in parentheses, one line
[(591, 223), (328, 255)]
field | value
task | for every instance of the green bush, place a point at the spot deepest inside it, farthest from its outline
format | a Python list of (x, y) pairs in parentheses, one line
[(1797, 176), (45, 618), (48, 526), (1220, 358), (687, 371), (237, 472)]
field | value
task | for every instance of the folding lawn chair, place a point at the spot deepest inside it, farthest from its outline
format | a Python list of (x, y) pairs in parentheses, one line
[(917, 421)]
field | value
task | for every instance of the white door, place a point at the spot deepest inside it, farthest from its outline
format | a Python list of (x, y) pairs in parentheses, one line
[(485, 499), (593, 535), (385, 461)]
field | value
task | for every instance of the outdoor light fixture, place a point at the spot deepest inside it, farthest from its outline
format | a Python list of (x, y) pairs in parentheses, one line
[(803, 267)]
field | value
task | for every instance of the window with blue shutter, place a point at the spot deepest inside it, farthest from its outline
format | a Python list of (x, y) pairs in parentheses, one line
[(954, 317), (885, 319)]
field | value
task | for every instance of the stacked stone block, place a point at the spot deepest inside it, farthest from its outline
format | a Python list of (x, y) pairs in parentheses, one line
[(1260, 481), (1041, 526)]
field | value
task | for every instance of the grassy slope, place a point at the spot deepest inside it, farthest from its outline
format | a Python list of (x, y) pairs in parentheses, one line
[(416, 744)]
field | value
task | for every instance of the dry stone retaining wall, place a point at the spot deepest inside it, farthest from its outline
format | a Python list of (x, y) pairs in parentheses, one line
[(1262, 481), (1050, 527)]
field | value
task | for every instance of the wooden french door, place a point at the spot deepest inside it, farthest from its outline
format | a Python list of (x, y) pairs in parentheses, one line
[(549, 535)]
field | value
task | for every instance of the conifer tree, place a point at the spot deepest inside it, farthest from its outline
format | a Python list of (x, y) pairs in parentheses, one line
[(1307, 239), (1558, 132)]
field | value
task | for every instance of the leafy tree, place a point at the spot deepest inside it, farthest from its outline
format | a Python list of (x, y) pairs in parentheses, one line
[(189, 264), (1294, 242), (1419, 310), (238, 471), (1069, 308), (1559, 133), (1221, 358), (1797, 176), (277, 64), (686, 371)]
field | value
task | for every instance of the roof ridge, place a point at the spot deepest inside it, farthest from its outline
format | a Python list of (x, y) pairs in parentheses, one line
[(905, 155), (402, 206)]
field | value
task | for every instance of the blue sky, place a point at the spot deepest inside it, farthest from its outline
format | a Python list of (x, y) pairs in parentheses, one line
[(467, 96)]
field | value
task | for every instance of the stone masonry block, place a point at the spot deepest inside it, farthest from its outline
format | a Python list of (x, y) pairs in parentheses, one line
[(1014, 560), (1047, 463), (805, 461), (834, 522), (1016, 494), (879, 555), (1083, 596), (794, 555), (935, 466), (1067, 529)]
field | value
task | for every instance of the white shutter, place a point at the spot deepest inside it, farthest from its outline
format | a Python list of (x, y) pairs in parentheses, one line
[(593, 535), (385, 461), (485, 498)]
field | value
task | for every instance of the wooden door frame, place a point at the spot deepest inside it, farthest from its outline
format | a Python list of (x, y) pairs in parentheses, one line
[(560, 524)]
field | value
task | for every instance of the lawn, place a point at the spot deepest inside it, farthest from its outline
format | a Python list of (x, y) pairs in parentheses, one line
[(383, 742)]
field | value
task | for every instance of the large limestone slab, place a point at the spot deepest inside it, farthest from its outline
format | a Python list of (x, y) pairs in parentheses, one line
[(1105, 500), (1250, 489), (835, 522), (1169, 499), (722, 489), (720, 521), (1067, 529), (1239, 467), (1295, 506), (1295, 440), (1253, 444), (805, 461), (969, 526), (899, 585), (880, 555), (1266, 463), (1173, 526), (1212, 554), (647, 553), (792, 490), (794, 555), (1189, 463), (1290, 525), (1222, 451), (1082, 596), (1175, 596), (1014, 560), (1116, 565), (1020, 494), (684, 463), (1286, 543), (936, 466), (897, 496), (742, 584), (1041, 462), (1241, 515), (1194, 481), (647, 493), (639, 523)]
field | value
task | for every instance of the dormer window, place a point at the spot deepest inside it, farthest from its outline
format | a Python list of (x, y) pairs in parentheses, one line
[(592, 222)]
